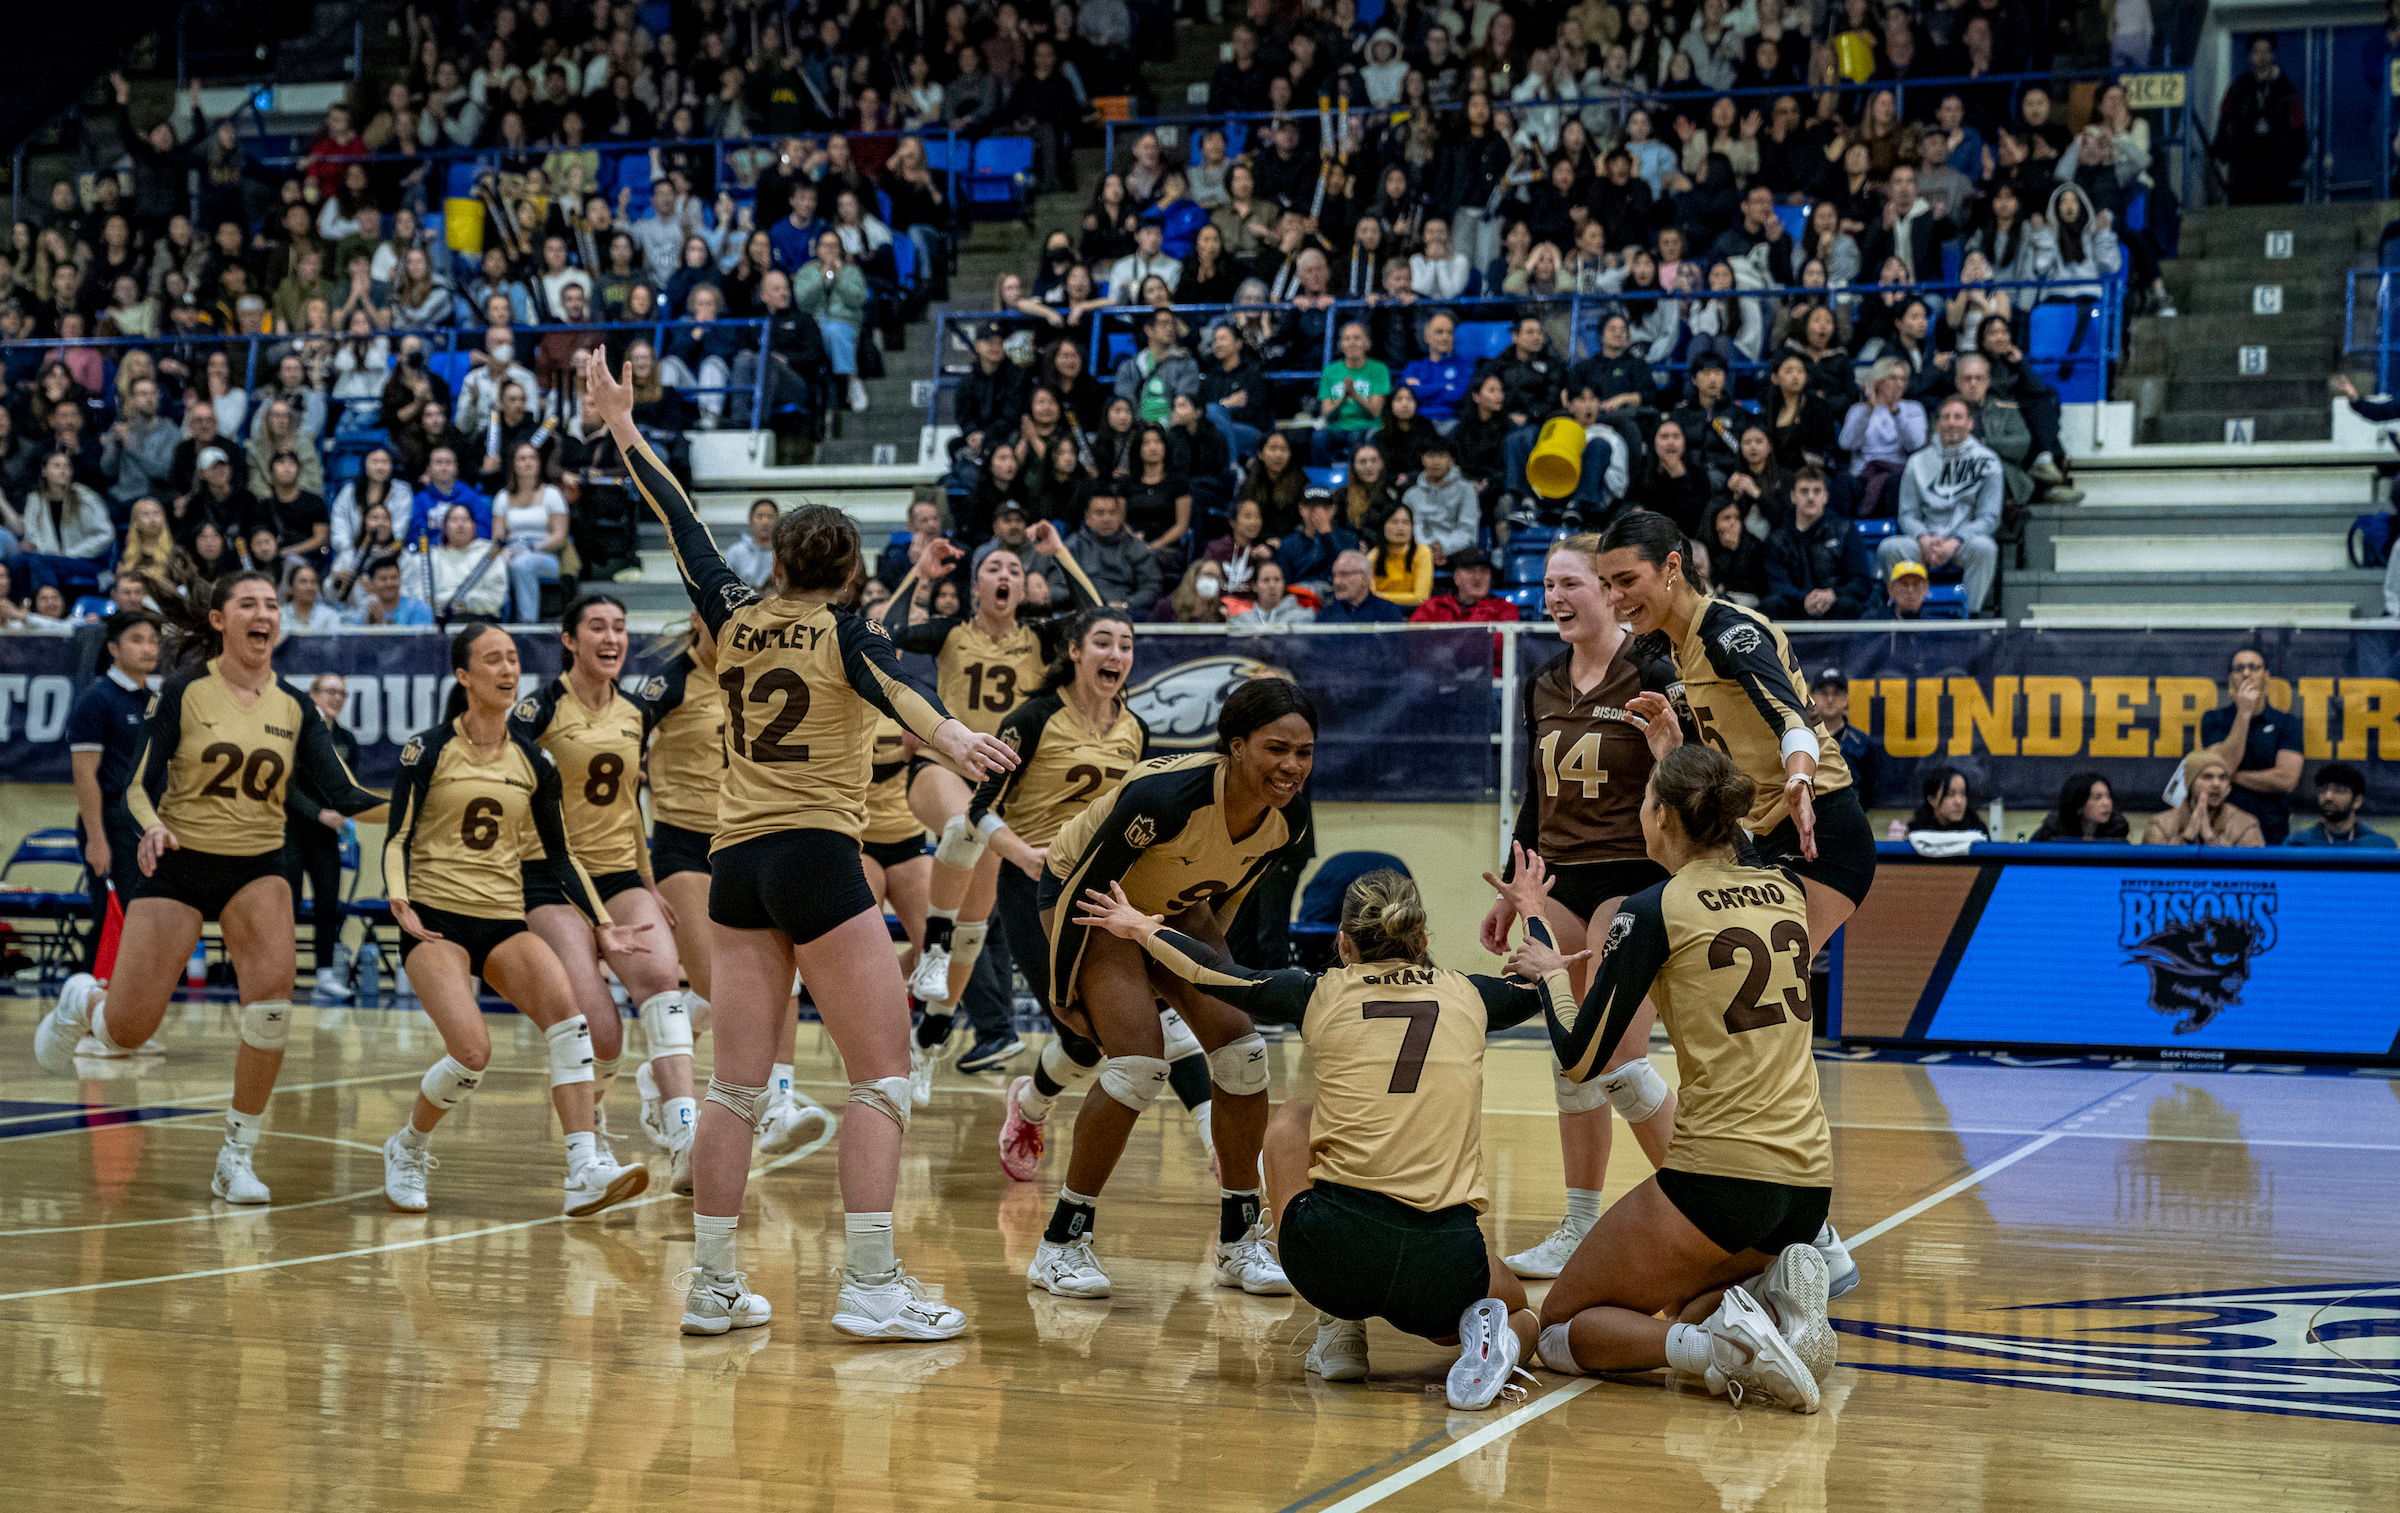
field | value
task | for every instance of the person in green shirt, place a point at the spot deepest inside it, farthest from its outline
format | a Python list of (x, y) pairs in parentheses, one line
[(1152, 377), (1350, 395)]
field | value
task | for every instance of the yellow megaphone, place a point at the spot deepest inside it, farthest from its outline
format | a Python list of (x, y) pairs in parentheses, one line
[(1556, 465)]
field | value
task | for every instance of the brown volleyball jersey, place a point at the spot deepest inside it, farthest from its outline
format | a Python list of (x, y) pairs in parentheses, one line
[(216, 766), (599, 757), (804, 684), (1398, 1056), (460, 814), (1746, 694), (1066, 766), (1722, 949), (687, 747), (1587, 762), (889, 819)]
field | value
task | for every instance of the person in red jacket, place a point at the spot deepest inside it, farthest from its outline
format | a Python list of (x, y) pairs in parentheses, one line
[(1470, 597), (332, 151)]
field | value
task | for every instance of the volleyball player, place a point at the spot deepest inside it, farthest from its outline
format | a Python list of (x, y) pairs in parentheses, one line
[(1720, 1239), (1586, 762), (686, 770), (594, 732), (804, 682), (986, 664), (1188, 837), (1377, 1192), (453, 868), (1749, 700), (225, 737)]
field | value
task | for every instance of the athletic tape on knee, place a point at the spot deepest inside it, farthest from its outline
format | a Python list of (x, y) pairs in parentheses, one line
[(667, 1024), (1578, 1097), (1636, 1089), (570, 1051), (1181, 1042), (1135, 1081), (1240, 1068), (1556, 1353), (887, 1096), (267, 1024), (604, 1071), (961, 845), (742, 1102), (448, 1082)]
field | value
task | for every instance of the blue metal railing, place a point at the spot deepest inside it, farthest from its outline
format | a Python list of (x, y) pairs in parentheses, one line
[(2371, 321), (1585, 312)]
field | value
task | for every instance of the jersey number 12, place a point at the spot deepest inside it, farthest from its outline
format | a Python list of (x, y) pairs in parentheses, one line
[(771, 744)]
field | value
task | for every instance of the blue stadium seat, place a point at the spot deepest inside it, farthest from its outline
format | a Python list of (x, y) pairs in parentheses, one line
[(1479, 339), (1953, 258), (633, 175), (904, 259), (452, 366), (1002, 173), (55, 946), (1115, 347), (461, 180), (938, 152), (1946, 601), (2078, 370), (1526, 597), (1875, 530), (93, 606), (1328, 478), (1794, 218)]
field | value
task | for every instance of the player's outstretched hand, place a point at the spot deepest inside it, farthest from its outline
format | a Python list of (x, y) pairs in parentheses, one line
[(157, 841), (1533, 960), (1496, 924), (618, 940), (1526, 891), (1114, 912), (404, 914), (1804, 817), (1657, 719), (609, 397), (978, 756)]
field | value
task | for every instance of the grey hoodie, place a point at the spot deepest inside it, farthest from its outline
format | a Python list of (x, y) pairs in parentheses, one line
[(1446, 513), (1386, 70), (1951, 491)]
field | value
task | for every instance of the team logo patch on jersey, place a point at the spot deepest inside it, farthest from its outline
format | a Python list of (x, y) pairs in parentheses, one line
[(654, 688), (527, 709), (413, 750), (736, 595), (1141, 832), (2198, 940), (1181, 704), (2322, 1351), (1619, 927), (1742, 639)]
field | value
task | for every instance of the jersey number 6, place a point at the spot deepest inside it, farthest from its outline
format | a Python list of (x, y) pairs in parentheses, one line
[(1422, 1015), (1746, 1012), (771, 745)]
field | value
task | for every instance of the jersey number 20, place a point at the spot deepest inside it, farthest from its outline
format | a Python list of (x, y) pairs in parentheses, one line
[(772, 744)]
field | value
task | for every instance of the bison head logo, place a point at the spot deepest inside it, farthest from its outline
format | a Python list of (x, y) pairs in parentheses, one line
[(2198, 967)]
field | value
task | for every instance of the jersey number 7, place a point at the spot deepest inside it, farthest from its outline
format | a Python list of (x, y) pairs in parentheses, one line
[(1422, 1015)]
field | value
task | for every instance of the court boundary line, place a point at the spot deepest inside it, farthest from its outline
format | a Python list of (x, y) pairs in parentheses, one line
[(1508, 1423)]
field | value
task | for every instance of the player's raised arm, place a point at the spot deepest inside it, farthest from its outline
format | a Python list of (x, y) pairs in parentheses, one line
[(715, 589)]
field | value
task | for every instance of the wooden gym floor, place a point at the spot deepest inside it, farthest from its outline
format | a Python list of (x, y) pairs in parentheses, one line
[(161, 1351)]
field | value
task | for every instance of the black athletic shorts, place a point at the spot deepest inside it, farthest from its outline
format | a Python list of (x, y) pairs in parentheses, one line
[(674, 849), (893, 853), (1584, 886), (1360, 1255), (206, 881), (1845, 846), (802, 882), (541, 888), (1743, 1213), (479, 937)]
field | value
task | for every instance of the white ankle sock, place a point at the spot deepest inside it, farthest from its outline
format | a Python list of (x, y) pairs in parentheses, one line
[(682, 1113), (581, 1148), (97, 1024), (1583, 1208), (780, 1084), (867, 1244), (712, 1242), (415, 1139), (242, 1129), (1687, 1348)]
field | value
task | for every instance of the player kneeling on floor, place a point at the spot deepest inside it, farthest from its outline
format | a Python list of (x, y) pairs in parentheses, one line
[(1378, 1189)]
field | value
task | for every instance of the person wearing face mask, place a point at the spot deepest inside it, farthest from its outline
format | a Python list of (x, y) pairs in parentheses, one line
[(1199, 599), (495, 368)]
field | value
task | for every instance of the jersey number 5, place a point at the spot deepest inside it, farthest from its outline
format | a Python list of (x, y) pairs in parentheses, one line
[(772, 744), (1746, 1012), (1422, 1015)]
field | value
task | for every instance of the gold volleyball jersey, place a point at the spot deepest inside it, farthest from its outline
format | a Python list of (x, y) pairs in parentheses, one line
[(803, 682), (1163, 837), (1746, 693), (687, 747), (216, 770), (1722, 949), (980, 676), (889, 819), (1586, 762), (1398, 1052), (599, 757), (1066, 765), (458, 818)]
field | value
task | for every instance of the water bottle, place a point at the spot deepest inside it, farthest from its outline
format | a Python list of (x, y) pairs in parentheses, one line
[(369, 966), (195, 971)]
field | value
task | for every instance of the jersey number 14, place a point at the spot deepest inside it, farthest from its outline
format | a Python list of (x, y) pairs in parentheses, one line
[(1581, 766)]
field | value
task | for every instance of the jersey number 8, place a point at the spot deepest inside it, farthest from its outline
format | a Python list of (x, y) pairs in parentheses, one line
[(1746, 1012), (604, 779), (771, 744)]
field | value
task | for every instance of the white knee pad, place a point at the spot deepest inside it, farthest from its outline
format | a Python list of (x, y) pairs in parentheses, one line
[(1556, 1353), (1240, 1068), (1635, 1088), (742, 1102), (448, 1082), (961, 845), (887, 1096), (1578, 1097), (267, 1024), (667, 1024), (1135, 1081), (1181, 1042), (1064, 1069), (570, 1051), (966, 943)]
